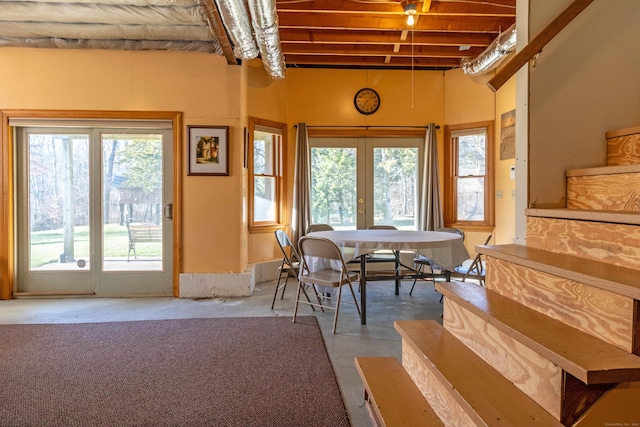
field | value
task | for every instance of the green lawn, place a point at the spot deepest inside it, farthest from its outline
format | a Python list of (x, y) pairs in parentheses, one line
[(46, 246)]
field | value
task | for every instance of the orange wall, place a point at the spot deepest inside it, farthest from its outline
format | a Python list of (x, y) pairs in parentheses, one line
[(202, 86), (469, 100), (210, 92)]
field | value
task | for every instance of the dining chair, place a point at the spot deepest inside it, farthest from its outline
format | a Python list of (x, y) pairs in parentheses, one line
[(474, 268), (335, 275), (319, 227), (289, 267), (425, 267)]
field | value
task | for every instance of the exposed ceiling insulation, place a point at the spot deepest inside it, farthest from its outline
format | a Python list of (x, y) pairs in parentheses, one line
[(304, 33), (110, 24)]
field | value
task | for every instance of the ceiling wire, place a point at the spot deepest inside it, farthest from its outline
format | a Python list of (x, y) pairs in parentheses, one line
[(411, 66)]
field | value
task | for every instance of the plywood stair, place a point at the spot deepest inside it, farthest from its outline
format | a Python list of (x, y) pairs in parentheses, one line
[(554, 337)]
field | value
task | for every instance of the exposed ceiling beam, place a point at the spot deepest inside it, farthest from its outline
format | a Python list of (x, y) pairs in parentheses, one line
[(373, 61), (434, 8), (217, 28), (379, 50), (313, 20), (293, 35)]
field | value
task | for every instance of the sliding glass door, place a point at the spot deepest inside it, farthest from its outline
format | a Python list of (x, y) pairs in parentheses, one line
[(94, 211)]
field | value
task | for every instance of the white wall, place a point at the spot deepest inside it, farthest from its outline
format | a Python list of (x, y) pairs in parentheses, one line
[(584, 83)]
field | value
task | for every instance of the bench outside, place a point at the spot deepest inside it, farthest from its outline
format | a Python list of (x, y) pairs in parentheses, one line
[(142, 233)]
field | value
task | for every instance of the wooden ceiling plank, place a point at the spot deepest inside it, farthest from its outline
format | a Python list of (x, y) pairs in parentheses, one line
[(507, 8), (372, 61), (384, 37), (379, 50), (313, 20)]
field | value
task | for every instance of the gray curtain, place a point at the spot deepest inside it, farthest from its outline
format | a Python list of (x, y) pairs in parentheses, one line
[(430, 205), (301, 215)]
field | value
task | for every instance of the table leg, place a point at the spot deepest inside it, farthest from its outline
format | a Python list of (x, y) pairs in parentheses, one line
[(363, 290), (397, 271)]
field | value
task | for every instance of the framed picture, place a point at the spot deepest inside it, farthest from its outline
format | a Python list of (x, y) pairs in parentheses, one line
[(208, 150)]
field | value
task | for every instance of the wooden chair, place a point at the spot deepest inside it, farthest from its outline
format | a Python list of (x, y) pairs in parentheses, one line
[(310, 248)]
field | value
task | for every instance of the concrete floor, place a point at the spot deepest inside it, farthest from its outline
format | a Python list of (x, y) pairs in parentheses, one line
[(377, 338)]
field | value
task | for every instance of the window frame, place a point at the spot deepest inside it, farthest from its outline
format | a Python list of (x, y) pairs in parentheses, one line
[(279, 157), (451, 177)]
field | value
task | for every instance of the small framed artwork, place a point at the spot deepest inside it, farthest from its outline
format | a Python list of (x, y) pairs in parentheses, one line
[(208, 150)]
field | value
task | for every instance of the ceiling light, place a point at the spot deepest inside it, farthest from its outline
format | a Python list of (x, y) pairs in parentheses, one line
[(410, 10)]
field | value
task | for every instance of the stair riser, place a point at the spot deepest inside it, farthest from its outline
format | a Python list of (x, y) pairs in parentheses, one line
[(537, 377), (601, 313), (623, 150), (617, 244), (619, 192), (443, 399)]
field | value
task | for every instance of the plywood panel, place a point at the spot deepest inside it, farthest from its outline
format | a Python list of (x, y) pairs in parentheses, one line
[(600, 313), (540, 379), (437, 394), (620, 192), (623, 150), (617, 244)]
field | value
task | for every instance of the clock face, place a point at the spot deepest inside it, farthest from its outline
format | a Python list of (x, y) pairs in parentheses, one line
[(367, 101)]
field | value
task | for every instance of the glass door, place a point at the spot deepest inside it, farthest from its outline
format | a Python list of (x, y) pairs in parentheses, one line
[(94, 212), (360, 182)]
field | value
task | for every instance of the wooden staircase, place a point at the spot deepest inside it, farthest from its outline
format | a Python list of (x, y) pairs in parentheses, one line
[(554, 337)]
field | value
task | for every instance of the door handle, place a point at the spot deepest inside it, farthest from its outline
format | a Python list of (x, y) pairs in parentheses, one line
[(167, 211)]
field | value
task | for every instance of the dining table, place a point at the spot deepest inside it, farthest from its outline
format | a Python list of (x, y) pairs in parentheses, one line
[(445, 249)]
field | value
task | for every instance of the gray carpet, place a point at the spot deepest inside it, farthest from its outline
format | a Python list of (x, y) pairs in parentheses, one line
[(263, 371)]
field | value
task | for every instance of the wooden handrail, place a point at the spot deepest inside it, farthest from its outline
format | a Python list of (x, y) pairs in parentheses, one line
[(536, 45)]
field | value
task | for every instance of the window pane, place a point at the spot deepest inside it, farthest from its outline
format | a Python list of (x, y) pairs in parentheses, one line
[(59, 228), (394, 187), (472, 155), (470, 199), (333, 186), (264, 198), (263, 153)]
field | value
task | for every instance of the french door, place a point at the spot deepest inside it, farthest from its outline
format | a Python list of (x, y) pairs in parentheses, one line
[(361, 182), (79, 192)]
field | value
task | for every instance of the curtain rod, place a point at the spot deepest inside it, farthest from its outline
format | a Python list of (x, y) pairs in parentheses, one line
[(369, 127)]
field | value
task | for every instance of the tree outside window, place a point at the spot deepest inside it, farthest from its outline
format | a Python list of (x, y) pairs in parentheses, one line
[(267, 145)]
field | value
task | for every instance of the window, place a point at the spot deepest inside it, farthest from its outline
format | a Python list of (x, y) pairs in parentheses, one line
[(360, 182), (266, 156), (469, 175)]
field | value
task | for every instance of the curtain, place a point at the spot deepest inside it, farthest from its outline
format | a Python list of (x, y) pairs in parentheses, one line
[(301, 215), (430, 206)]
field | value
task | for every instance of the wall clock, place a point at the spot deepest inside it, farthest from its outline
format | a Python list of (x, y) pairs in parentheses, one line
[(366, 101)]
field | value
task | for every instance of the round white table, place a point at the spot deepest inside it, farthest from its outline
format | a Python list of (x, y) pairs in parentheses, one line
[(444, 248)]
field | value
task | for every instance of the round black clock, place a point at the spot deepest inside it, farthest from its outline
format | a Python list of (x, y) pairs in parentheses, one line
[(366, 101)]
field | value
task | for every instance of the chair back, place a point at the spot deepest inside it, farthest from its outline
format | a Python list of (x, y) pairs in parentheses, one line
[(452, 230), (382, 227), (286, 246), (319, 227), (311, 246)]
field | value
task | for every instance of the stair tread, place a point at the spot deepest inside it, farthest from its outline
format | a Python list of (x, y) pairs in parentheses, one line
[(622, 132), (395, 399), (587, 358), (616, 217), (481, 390), (603, 170), (602, 275)]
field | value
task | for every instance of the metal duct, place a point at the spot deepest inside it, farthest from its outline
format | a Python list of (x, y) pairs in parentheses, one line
[(504, 44), (265, 26), (236, 21)]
